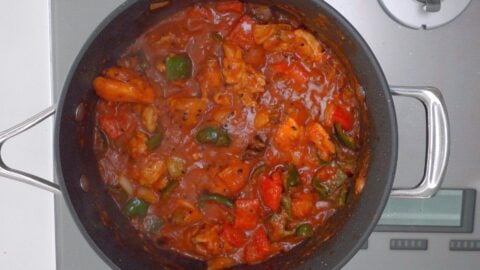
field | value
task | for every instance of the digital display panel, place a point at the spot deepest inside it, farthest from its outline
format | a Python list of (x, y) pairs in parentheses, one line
[(450, 210)]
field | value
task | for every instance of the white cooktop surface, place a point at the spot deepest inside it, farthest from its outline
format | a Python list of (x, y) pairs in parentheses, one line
[(27, 228)]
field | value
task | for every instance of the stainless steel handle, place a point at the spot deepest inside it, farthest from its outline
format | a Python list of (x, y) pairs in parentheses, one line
[(438, 140), (24, 177)]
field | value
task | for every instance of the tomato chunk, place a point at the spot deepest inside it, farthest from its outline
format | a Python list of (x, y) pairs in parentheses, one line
[(258, 248), (233, 236), (344, 118), (241, 33), (271, 192), (247, 212)]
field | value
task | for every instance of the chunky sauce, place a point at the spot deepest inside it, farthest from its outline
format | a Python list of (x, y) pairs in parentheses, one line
[(228, 133)]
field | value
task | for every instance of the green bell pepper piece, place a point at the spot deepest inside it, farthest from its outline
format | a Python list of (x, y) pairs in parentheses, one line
[(292, 178), (178, 67), (172, 184), (212, 135), (304, 230), (136, 208), (344, 138), (214, 197)]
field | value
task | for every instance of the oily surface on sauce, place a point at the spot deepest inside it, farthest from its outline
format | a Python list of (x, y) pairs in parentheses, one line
[(228, 133)]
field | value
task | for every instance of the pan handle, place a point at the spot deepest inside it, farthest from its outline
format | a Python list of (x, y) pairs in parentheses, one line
[(438, 140), (24, 177)]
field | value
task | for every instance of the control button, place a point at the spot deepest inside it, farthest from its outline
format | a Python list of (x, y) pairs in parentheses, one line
[(408, 244), (465, 245)]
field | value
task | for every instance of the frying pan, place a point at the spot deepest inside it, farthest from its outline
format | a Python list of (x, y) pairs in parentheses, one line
[(109, 232)]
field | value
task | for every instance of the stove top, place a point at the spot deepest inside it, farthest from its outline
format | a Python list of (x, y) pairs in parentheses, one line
[(439, 233)]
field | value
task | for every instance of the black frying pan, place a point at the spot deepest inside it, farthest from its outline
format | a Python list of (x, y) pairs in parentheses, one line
[(109, 232)]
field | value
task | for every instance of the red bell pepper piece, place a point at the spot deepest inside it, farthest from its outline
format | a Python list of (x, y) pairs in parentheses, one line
[(233, 236), (247, 212), (258, 248), (271, 192), (344, 118)]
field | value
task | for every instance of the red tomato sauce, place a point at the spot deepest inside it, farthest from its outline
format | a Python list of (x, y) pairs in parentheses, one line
[(228, 133)]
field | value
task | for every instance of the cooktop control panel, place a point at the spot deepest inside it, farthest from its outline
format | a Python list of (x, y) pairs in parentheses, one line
[(438, 233)]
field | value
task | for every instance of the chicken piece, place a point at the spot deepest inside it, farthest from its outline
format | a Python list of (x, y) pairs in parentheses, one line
[(261, 119), (248, 99), (233, 64), (150, 170), (210, 78), (288, 134), (185, 213), (308, 45), (302, 204), (274, 37), (319, 136), (165, 41), (123, 85), (281, 38), (222, 114), (253, 81), (244, 78), (207, 241), (232, 179), (137, 145), (147, 195), (189, 109), (150, 118), (223, 98)]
